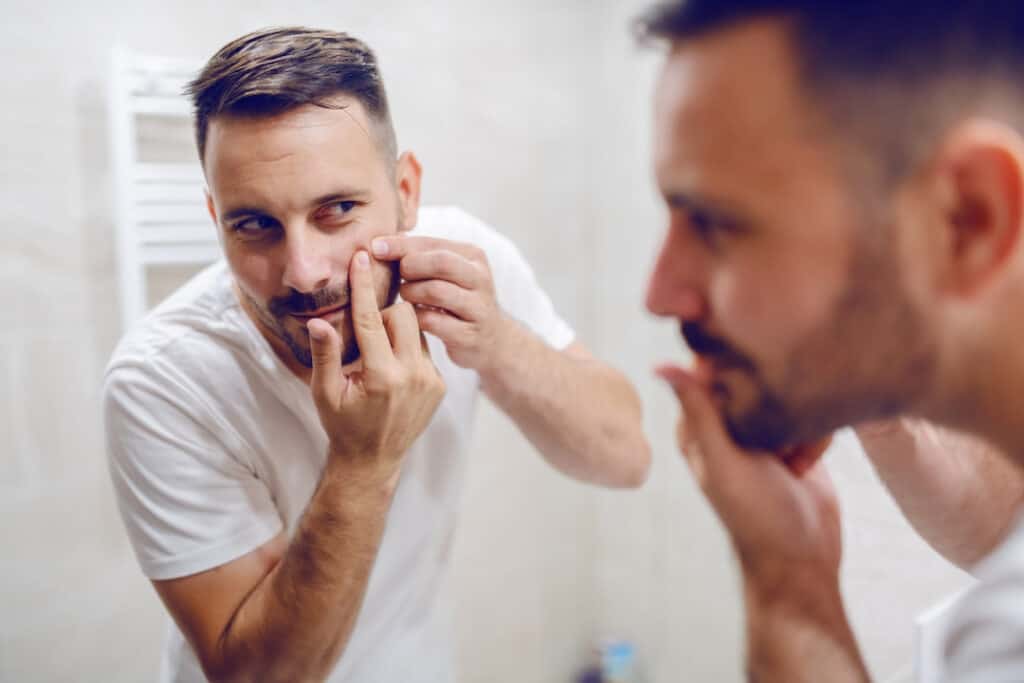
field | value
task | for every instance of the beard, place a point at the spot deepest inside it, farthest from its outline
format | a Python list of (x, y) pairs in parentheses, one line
[(765, 425), (278, 312), (868, 360)]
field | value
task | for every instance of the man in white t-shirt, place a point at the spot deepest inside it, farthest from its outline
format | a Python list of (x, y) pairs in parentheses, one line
[(286, 443), (845, 185)]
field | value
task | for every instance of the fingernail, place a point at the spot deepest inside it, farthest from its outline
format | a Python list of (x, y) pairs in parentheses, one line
[(362, 259), (315, 332), (380, 247)]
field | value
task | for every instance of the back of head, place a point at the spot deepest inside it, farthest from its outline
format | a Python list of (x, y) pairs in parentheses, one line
[(893, 73), (271, 71)]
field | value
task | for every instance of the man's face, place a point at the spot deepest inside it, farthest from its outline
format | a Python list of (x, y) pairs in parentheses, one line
[(787, 286), (295, 196)]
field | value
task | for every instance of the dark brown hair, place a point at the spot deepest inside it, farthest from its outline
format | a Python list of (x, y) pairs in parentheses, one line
[(893, 72), (271, 71)]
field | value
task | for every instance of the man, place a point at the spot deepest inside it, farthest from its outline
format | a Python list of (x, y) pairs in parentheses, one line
[(285, 443), (845, 184)]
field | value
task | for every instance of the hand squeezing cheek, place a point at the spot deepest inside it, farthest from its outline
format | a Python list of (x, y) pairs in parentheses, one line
[(452, 289)]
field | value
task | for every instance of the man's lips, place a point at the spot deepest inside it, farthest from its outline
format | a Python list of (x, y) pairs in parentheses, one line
[(320, 313)]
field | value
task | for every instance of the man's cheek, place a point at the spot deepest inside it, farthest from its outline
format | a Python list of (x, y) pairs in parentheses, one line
[(255, 270)]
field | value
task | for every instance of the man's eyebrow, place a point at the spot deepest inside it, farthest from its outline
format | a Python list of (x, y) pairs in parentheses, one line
[(242, 211), (345, 194), (342, 194)]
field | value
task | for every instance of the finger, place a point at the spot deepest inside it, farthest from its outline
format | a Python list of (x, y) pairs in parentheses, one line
[(367, 323), (403, 330), (445, 327), (325, 348), (393, 247), (692, 453), (703, 422), (441, 294), (443, 264), (803, 457)]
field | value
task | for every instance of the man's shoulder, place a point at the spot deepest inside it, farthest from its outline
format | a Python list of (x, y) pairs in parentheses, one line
[(454, 223), (451, 222), (985, 640), (194, 330)]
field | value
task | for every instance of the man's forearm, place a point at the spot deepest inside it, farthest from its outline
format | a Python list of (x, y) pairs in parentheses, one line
[(800, 635), (296, 623), (584, 417), (957, 491)]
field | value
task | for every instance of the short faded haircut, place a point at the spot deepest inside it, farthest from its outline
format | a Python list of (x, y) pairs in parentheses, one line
[(269, 72), (890, 74)]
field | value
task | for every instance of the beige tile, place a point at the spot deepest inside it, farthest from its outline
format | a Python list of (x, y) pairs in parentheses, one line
[(56, 397)]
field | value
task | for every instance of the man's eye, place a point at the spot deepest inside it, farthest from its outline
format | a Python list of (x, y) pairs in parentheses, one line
[(704, 225), (336, 210), (255, 227)]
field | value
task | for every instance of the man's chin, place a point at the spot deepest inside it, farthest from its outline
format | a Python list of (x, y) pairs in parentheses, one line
[(768, 427)]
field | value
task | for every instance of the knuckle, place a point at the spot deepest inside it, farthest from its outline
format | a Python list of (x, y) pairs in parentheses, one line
[(434, 291), (367, 319), (395, 378), (387, 381), (478, 255), (442, 263), (411, 266)]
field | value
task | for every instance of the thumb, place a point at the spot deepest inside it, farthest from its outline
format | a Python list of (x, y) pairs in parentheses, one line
[(325, 348)]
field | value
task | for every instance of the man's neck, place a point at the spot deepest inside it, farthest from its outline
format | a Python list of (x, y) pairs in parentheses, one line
[(988, 398)]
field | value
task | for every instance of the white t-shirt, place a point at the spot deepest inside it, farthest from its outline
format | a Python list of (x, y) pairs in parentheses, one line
[(214, 447), (985, 641)]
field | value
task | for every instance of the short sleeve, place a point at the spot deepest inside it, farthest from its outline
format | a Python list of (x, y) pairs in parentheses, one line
[(187, 500), (521, 296), (985, 641)]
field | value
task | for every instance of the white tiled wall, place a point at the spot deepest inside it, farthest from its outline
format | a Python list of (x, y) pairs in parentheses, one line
[(533, 115)]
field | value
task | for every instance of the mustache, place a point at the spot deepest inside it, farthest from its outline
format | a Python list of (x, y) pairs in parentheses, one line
[(714, 348), (307, 302)]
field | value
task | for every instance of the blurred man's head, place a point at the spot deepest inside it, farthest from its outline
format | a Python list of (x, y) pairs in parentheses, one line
[(296, 141), (844, 183)]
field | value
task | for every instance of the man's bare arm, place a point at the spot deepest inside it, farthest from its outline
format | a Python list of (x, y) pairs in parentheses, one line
[(958, 492), (583, 416), (796, 634), (285, 611)]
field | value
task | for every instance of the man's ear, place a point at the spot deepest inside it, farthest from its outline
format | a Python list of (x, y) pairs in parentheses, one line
[(210, 207), (407, 176), (213, 216), (981, 170)]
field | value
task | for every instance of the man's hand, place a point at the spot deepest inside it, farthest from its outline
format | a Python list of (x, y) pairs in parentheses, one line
[(780, 509), (451, 286), (782, 513), (373, 415)]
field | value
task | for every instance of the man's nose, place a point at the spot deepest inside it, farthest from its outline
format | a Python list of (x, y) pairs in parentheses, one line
[(677, 283), (307, 265)]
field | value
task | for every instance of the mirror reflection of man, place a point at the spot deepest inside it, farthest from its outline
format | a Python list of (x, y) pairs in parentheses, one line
[(286, 444), (845, 185)]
